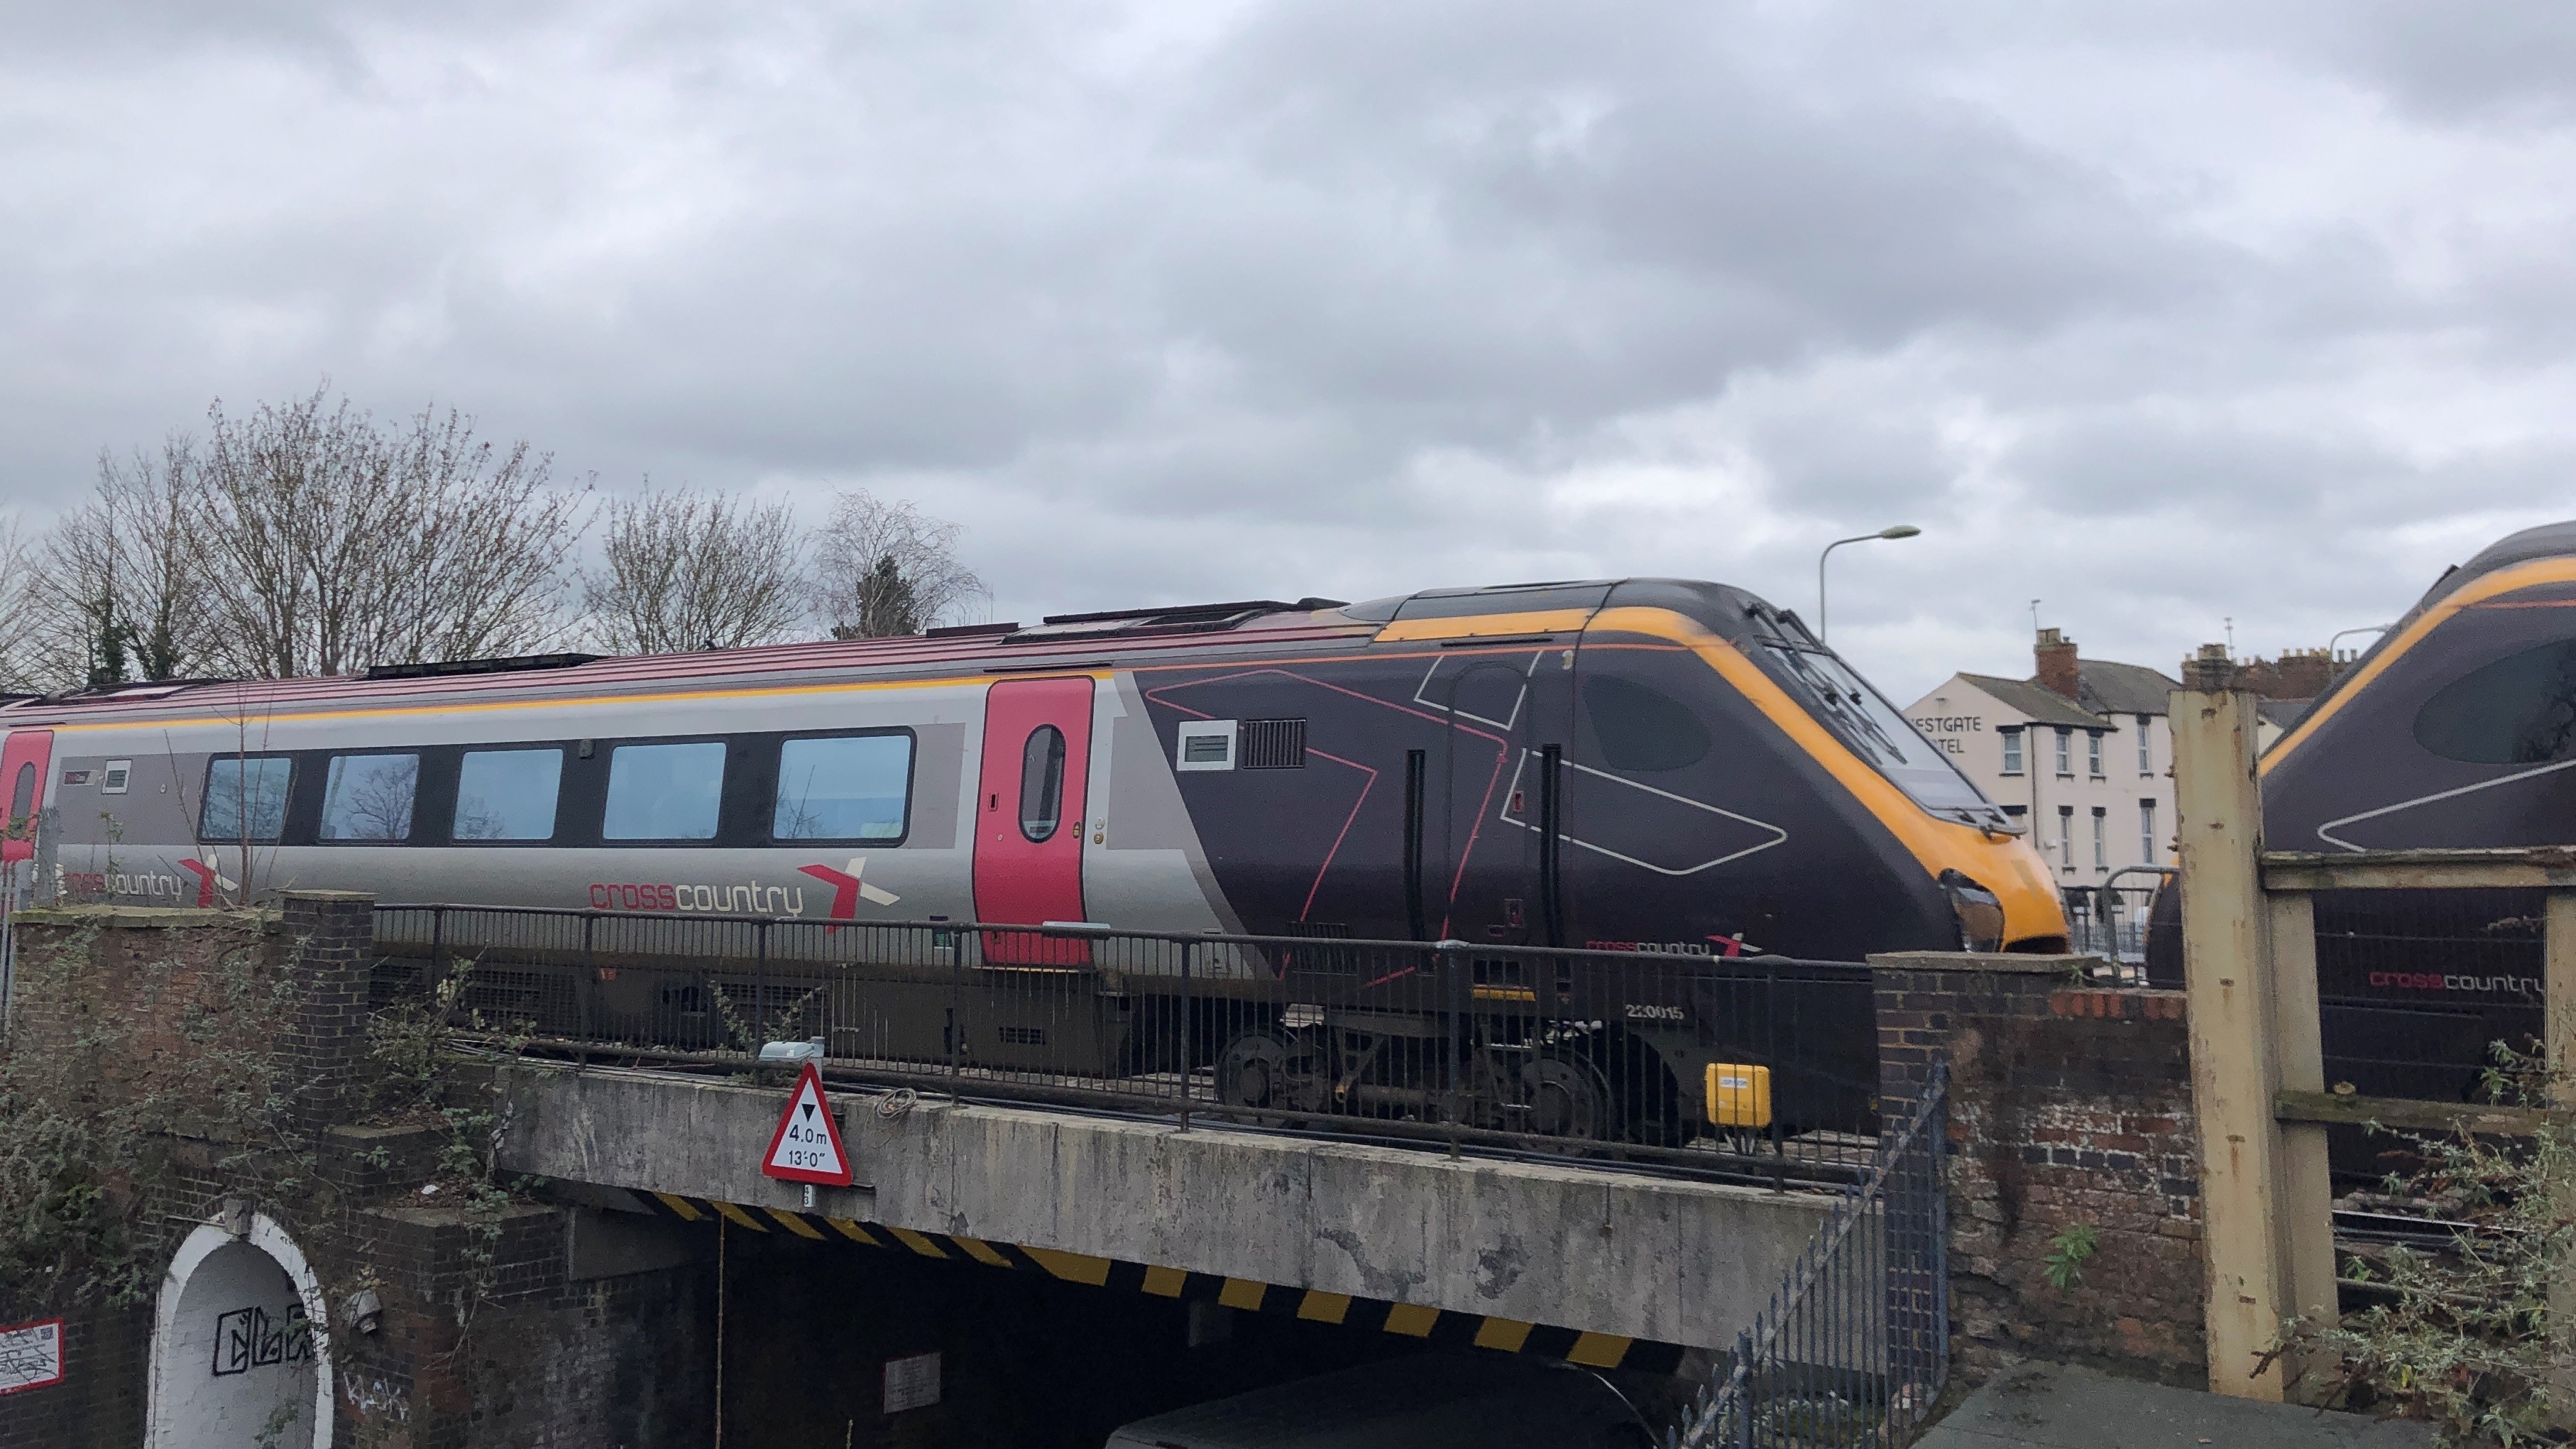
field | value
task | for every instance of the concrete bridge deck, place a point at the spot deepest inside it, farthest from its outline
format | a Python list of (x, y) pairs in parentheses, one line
[(1599, 1251)]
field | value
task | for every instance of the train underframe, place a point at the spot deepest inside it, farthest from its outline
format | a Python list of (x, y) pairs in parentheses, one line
[(1614, 1061)]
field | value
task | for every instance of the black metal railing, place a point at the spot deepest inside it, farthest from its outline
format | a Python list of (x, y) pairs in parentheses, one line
[(1751, 1068), (2110, 920), (1854, 1348)]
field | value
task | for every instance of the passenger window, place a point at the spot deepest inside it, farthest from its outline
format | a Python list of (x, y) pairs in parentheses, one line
[(850, 788), (508, 794), (245, 798), (1041, 782), (22, 801), (368, 797), (1640, 728), (2519, 710), (664, 792)]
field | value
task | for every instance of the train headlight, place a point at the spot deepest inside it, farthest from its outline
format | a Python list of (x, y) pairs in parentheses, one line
[(1980, 914)]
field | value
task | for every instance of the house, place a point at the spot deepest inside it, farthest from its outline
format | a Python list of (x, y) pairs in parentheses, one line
[(2080, 753)]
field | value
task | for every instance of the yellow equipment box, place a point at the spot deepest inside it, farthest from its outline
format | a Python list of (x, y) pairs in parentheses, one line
[(1739, 1095)]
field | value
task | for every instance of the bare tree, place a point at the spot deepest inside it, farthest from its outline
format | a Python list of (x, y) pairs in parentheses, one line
[(330, 545), (490, 543), (114, 592), (882, 568), (20, 611), (686, 570)]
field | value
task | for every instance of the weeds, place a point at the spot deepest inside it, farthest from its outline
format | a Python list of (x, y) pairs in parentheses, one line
[(2461, 1335)]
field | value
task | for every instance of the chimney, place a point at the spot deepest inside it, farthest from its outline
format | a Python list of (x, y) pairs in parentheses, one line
[(2304, 673), (2057, 667), (2211, 671)]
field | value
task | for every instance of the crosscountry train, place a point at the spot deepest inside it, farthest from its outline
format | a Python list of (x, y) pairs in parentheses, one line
[(2457, 730), (1621, 765)]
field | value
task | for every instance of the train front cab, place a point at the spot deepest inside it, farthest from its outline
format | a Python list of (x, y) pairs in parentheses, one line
[(2457, 731), (1794, 812)]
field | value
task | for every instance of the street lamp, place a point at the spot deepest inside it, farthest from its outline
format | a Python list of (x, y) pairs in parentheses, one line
[(2364, 629), (1902, 530)]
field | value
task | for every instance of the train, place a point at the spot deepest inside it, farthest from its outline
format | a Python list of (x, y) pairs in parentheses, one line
[(2456, 730), (1628, 765)]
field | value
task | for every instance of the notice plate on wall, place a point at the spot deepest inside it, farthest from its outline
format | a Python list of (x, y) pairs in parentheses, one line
[(911, 1383), (31, 1357)]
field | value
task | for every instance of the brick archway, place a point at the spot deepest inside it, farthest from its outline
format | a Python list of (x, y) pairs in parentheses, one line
[(239, 1344)]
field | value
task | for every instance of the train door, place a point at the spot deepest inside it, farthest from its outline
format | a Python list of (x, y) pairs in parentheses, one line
[(1029, 816), (22, 775), (1497, 795)]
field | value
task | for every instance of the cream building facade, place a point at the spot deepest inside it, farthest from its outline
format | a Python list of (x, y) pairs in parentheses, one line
[(2081, 755)]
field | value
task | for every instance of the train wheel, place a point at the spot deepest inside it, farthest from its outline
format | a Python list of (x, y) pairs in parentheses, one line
[(1266, 1069), (1567, 1097)]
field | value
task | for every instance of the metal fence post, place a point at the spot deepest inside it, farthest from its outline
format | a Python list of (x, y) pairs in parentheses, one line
[(588, 999), (759, 992), (956, 1007), (434, 970), (1189, 951), (1744, 1400), (1455, 992)]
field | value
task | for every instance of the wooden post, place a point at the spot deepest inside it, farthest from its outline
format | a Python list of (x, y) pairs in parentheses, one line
[(2235, 1066), (2558, 1045), (2307, 1191), (2558, 986)]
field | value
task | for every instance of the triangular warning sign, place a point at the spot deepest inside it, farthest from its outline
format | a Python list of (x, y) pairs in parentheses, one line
[(807, 1145)]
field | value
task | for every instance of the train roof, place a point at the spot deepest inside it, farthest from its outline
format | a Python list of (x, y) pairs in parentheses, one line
[(2548, 540), (1118, 637)]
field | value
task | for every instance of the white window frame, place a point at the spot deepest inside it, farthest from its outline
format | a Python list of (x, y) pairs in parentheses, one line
[(2101, 838), (2147, 851), (1204, 729), (2013, 752), (2146, 745), (2093, 753), (2066, 836)]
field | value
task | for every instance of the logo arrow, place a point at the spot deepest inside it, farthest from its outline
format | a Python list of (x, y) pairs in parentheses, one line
[(848, 889)]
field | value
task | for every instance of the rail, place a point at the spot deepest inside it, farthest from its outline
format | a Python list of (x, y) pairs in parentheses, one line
[(1605, 1055), (1853, 1350)]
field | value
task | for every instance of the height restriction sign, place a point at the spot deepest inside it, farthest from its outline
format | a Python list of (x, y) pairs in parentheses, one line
[(807, 1146)]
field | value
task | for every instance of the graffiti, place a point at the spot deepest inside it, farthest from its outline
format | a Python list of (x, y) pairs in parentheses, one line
[(376, 1396), (247, 1338), (31, 1355)]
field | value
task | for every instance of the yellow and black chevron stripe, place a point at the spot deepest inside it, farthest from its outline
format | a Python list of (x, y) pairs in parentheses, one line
[(1448, 1329)]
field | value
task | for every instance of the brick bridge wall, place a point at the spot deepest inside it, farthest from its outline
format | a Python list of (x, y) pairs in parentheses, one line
[(2070, 1106), (558, 1352)]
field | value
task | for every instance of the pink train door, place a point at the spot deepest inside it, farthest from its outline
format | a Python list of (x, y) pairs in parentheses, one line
[(22, 783), (1029, 816)]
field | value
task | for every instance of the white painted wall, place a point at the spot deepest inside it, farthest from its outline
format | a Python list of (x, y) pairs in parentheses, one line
[(239, 1356)]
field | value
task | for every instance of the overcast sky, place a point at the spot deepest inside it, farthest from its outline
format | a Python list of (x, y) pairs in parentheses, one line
[(2161, 315)]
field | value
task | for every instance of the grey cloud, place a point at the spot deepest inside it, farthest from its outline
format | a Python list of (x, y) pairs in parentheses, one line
[(1337, 298)]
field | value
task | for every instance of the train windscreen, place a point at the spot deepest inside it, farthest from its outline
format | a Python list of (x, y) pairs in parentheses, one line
[(1864, 720)]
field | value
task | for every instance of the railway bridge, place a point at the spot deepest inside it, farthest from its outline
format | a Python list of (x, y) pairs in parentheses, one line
[(1497, 1146), (1588, 1262), (508, 1170)]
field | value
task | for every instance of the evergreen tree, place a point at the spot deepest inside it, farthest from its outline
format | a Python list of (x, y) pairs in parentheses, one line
[(107, 653)]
